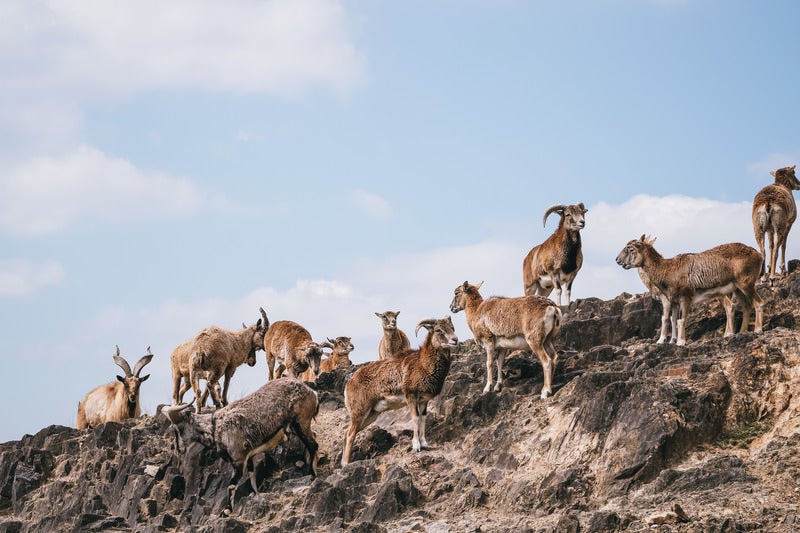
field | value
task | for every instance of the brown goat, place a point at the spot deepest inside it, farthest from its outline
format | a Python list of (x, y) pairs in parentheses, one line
[(774, 212), (219, 352), (501, 325), (393, 340), (690, 278), (290, 345), (409, 378), (340, 357), (115, 401), (558, 259)]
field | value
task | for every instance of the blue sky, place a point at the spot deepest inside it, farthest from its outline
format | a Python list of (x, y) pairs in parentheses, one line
[(166, 166)]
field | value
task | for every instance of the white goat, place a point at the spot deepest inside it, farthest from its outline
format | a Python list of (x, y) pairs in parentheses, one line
[(501, 325), (774, 212), (558, 259), (114, 401), (409, 378), (690, 278)]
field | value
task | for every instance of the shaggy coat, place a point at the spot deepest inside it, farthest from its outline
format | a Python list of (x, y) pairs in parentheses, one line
[(774, 212), (690, 278), (114, 402), (253, 424), (410, 378), (501, 325), (340, 357), (558, 259)]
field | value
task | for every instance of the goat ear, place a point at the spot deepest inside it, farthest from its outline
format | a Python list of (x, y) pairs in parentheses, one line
[(120, 379), (379, 315), (772, 172), (396, 313), (144, 378), (465, 285), (643, 238)]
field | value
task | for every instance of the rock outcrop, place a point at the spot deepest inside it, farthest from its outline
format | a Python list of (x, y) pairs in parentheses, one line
[(704, 437)]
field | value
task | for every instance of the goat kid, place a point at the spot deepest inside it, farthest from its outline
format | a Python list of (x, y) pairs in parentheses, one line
[(394, 340)]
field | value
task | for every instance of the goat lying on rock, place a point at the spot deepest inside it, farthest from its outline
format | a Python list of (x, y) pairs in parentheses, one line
[(686, 279), (253, 424), (501, 325), (115, 401), (558, 259), (409, 378)]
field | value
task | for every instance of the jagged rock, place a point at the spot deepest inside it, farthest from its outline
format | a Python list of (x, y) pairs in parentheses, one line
[(632, 429)]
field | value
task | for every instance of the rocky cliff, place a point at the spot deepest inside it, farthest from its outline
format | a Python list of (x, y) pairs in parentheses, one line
[(704, 437)]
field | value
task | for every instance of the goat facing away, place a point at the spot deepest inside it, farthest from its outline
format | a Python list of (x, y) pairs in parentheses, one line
[(393, 340), (218, 352), (409, 378), (339, 357), (722, 271), (774, 212), (556, 261), (116, 401), (290, 345), (254, 424), (501, 325)]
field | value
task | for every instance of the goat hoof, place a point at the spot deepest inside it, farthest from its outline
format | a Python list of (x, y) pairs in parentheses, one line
[(498, 387), (487, 388)]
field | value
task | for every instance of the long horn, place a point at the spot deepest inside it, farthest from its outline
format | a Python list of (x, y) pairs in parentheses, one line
[(142, 362), (424, 323), (264, 316), (175, 413), (552, 209), (123, 364)]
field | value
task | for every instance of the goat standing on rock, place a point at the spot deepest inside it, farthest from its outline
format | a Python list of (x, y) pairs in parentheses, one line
[(690, 278), (504, 324), (774, 212), (290, 345), (558, 259), (254, 424), (116, 401), (409, 378)]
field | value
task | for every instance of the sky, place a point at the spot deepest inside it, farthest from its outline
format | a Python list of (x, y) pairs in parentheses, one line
[(167, 166)]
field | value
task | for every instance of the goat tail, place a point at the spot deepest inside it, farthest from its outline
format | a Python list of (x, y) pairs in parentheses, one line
[(762, 216)]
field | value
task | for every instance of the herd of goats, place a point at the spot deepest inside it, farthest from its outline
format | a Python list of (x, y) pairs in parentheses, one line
[(402, 376)]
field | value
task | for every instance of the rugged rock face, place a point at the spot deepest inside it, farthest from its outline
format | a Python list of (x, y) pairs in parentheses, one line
[(704, 437)]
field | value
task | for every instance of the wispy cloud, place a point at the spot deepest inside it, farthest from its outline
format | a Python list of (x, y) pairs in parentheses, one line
[(22, 278), (47, 194), (370, 204)]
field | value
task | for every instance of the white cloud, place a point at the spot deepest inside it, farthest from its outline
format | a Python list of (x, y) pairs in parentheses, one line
[(371, 204), (21, 278), (47, 194), (90, 48)]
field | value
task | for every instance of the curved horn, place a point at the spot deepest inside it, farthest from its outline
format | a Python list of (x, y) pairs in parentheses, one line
[(424, 324), (142, 362), (175, 413), (557, 208), (264, 316), (122, 363)]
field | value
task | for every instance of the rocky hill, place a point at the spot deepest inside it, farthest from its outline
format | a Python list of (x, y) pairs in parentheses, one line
[(704, 437)]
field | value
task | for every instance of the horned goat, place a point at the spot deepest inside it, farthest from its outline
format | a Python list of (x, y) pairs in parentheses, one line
[(339, 357), (393, 340), (253, 424), (774, 212), (501, 325), (409, 378), (556, 261), (219, 352), (686, 279), (290, 345), (116, 401)]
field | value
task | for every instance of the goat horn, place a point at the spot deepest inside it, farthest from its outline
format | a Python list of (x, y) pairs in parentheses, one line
[(264, 316), (553, 208), (175, 412), (142, 362), (424, 324), (123, 364)]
